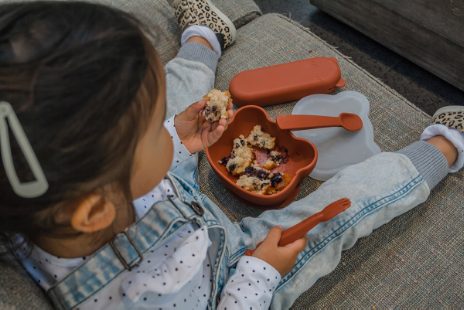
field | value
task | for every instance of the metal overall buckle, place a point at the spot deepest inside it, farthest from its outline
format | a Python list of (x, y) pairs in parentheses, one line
[(121, 258)]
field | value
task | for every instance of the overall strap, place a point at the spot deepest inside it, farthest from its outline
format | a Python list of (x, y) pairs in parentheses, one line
[(124, 252)]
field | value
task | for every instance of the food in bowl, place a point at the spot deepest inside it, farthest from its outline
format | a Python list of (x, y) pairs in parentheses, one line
[(261, 139), (216, 106), (301, 159), (241, 156), (255, 161)]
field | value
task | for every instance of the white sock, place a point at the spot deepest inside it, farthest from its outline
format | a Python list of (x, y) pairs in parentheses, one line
[(204, 32), (452, 135)]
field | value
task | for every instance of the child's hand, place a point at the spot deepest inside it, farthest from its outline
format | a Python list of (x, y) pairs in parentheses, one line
[(194, 131), (281, 258)]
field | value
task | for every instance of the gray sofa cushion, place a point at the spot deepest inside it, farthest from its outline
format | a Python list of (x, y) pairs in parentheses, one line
[(427, 32), (17, 289)]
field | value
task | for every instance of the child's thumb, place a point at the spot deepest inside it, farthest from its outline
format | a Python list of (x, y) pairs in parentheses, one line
[(199, 105), (195, 108)]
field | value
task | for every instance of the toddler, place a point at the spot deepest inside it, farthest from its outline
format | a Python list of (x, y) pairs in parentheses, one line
[(99, 193)]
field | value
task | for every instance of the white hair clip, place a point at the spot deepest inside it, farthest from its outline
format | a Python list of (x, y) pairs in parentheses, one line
[(31, 189)]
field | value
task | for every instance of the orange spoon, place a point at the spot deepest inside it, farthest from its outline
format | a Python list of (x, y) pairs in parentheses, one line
[(300, 230), (349, 121)]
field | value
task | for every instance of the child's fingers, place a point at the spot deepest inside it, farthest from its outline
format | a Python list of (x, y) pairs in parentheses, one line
[(197, 106), (194, 109), (206, 126), (230, 114), (230, 111), (223, 122), (297, 246), (214, 130), (216, 134), (212, 126), (204, 138), (200, 105), (273, 237)]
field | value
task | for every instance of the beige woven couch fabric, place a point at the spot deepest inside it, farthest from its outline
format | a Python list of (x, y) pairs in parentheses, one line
[(415, 261)]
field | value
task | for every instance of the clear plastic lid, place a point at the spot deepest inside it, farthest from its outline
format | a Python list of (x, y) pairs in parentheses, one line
[(337, 147)]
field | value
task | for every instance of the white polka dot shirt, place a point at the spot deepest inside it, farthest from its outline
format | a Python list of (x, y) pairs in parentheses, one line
[(175, 275)]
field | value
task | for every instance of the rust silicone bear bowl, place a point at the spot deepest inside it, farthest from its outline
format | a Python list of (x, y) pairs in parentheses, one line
[(302, 155)]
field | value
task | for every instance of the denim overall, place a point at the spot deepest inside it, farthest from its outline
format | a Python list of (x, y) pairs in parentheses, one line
[(379, 188), (127, 249)]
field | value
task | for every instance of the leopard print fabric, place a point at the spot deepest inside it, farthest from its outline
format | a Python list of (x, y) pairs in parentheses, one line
[(451, 119), (199, 12)]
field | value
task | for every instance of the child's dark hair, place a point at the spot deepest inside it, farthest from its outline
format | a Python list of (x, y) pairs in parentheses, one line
[(83, 81)]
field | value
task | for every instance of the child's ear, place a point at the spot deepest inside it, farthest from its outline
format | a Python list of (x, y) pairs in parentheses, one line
[(93, 214)]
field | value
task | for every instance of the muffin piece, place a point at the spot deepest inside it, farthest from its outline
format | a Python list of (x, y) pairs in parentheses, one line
[(275, 159), (257, 171), (216, 107), (261, 139), (253, 184), (278, 182), (253, 160), (262, 181), (241, 156)]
